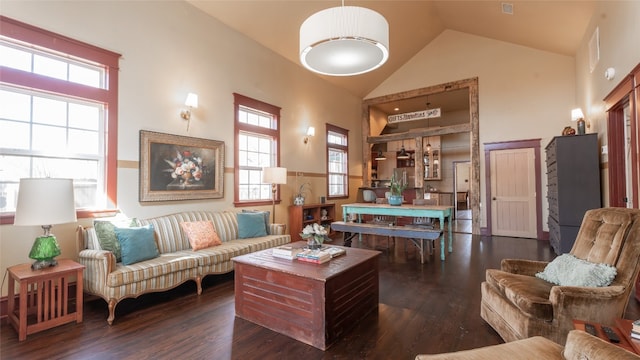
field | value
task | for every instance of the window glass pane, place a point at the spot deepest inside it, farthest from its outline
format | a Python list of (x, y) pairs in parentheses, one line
[(264, 145), (252, 119), (336, 138), (253, 143), (84, 75), (242, 158), (243, 192), (38, 129), (337, 161), (265, 191), (49, 111), (253, 159), (256, 150), (242, 141), (265, 160), (19, 167), (265, 121), (337, 177), (15, 58), (257, 118), (49, 139), (49, 67), (84, 116), (14, 135), (244, 176), (83, 142), (14, 106)]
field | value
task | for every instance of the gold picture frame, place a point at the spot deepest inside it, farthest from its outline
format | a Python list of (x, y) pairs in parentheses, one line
[(175, 167)]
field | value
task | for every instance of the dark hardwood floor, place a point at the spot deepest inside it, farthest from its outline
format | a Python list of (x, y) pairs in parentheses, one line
[(424, 308)]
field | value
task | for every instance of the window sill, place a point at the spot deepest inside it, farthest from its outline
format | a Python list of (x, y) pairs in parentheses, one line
[(8, 218)]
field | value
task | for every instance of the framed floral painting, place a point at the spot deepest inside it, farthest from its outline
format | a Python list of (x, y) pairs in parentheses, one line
[(174, 167)]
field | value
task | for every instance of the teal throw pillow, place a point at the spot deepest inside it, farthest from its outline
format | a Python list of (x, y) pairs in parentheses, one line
[(266, 214), (107, 236), (568, 270), (251, 225), (137, 244)]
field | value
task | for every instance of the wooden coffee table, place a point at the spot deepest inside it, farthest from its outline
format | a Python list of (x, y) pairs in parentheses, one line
[(312, 303)]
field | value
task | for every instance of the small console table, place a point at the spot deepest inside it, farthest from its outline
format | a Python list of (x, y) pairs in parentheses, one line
[(44, 297)]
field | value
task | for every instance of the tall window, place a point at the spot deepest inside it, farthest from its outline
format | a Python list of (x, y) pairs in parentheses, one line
[(58, 107), (337, 162), (257, 146)]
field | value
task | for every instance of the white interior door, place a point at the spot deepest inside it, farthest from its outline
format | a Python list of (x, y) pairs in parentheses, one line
[(513, 193)]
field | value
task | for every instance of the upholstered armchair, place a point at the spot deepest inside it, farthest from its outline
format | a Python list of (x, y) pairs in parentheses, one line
[(519, 305), (580, 345)]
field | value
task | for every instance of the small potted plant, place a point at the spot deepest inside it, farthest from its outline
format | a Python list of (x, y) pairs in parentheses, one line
[(298, 197), (397, 186)]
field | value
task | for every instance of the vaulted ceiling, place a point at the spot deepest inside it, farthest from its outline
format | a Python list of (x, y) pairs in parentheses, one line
[(554, 26)]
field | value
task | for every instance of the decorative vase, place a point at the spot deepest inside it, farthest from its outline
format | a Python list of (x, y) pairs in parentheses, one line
[(313, 243), (298, 201), (395, 200)]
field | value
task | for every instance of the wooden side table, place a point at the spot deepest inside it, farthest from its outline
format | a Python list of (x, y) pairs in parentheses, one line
[(44, 297), (622, 329)]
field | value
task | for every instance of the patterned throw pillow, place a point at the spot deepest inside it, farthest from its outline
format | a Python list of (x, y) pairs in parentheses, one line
[(107, 236), (137, 244), (201, 234)]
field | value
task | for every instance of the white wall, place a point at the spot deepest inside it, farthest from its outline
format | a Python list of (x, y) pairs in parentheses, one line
[(619, 27), (524, 93), (170, 48)]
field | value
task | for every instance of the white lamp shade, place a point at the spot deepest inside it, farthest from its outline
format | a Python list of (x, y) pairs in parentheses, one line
[(576, 114), (45, 201), (192, 100), (344, 41), (311, 131), (274, 175)]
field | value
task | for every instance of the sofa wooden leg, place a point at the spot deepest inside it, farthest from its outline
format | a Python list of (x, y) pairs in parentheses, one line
[(112, 311), (199, 284)]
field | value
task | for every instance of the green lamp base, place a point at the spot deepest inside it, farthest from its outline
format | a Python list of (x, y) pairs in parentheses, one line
[(44, 249), (41, 264)]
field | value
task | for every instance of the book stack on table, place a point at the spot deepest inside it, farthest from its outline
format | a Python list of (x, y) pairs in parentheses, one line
[(286, 252), (314, 256), (635, 330)]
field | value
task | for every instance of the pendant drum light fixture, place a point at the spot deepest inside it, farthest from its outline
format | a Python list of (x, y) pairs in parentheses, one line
[(344, 41)]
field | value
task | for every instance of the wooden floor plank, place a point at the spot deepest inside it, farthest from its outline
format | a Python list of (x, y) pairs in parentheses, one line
[(424, 308)]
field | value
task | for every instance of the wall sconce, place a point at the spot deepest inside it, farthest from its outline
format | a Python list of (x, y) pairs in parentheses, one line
[(192, 103), (311, 131), (577, 115)]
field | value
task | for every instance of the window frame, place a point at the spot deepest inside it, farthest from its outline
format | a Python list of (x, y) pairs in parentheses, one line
[(109, 95), (241, 100), (345, 149)]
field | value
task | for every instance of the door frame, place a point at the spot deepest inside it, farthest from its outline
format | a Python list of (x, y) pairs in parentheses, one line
[(508, 145), (472, 128), (455, 181), (626, 92)]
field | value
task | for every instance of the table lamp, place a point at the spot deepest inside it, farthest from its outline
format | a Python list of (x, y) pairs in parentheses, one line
[(45, 202), (274, 176)]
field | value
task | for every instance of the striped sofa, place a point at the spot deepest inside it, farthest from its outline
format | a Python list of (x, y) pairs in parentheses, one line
[(177, 262)]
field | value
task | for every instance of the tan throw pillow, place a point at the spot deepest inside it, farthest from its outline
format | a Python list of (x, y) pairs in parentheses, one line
[(201, 234)]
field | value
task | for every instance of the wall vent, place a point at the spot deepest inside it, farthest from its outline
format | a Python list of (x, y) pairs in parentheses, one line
[(507, 8)]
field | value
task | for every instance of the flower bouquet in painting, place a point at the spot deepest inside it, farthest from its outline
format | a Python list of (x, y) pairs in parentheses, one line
[(186, 169)]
